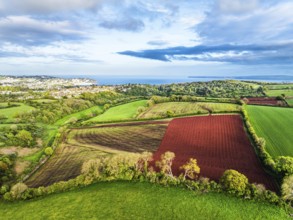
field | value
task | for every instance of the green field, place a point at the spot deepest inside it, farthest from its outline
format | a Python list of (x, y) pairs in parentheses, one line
[(11, 112), (280, 86), (287, 92), (79, 115), (181, 108), (275, 126), (120, 112), (44, 100), (290, 102), (125, 200)]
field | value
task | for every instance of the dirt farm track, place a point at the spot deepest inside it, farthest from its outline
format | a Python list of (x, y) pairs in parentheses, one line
[(218, 143)]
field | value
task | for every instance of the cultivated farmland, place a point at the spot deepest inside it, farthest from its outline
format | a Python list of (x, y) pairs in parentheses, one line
[(275, 126), (81, 145), (265, 101), (183, 108), (119, 113), (218, 143)]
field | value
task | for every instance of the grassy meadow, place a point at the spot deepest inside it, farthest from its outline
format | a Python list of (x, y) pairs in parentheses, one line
[(44, 100), (275, 126), (181, 108), (126, 200), (10, 112), (290, 102), (121, 112), (280, 86), (79, 115), (278, 92)]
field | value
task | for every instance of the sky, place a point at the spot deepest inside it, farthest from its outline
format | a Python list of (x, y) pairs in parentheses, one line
[(146, 38)]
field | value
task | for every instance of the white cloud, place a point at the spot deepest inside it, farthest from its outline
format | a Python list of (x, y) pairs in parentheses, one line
[(237, 6), (27, 30), (46, 6), (266, 23)]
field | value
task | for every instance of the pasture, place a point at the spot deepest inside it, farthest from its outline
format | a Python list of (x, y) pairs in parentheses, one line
[(79, 115), (290, 102), (184, 108), (44, 101), (119, 113), (83, 144), (279, 92), (126, 200), (218, 143), (10, 112), (275, 126), (280, 86)]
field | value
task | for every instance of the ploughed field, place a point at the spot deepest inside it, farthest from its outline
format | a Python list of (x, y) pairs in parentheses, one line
[(82, 144), (129, 137), (218, 143), (265, 101)]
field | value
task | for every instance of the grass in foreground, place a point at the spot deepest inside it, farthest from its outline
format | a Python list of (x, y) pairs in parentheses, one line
[(120, 112), (125, 200), (275, 126), (181, 108)]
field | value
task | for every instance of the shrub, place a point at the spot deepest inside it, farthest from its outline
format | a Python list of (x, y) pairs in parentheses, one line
[(287, 188), (284, 165), (234, 182), (165, 164), (49, 151), (4, 189), (191, 169), (17, 190), (170, 114)]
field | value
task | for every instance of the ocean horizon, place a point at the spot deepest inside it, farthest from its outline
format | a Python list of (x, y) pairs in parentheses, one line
[(120, 80)]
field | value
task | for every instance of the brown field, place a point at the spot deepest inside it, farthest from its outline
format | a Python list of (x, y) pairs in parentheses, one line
[(218, 143), (83, 144), (265, 101)]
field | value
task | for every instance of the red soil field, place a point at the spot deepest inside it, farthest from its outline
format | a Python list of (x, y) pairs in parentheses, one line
[(218, 143), (264, 101)]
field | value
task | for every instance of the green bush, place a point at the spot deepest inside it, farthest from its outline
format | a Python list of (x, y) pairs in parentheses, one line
[(49, 151), (234, 182), (17, 190), (287, 188), (284, 165)]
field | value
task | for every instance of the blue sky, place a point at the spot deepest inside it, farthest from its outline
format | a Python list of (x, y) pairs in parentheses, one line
[(147, 38)]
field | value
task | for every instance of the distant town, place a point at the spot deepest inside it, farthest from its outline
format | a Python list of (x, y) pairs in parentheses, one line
[(27, 87)]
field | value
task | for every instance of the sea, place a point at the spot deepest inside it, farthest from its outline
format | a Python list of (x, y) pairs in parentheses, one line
[(120, 80)]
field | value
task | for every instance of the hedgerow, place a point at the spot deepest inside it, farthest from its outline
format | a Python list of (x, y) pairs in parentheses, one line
[(136, 167)]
